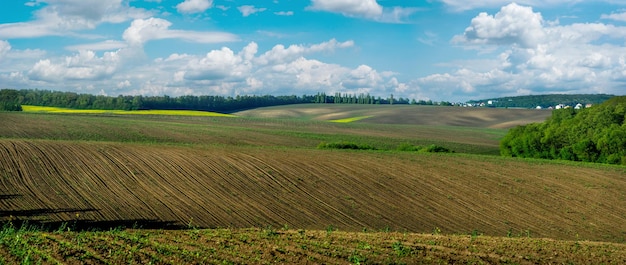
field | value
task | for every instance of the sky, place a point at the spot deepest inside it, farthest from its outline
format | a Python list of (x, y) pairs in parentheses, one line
[(440, 50)]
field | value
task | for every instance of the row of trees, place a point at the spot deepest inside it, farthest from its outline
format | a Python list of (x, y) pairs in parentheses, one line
[(596, 134), (206, 103), (339, 98)]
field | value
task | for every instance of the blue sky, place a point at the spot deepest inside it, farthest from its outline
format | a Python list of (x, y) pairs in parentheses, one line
[(450, 50)]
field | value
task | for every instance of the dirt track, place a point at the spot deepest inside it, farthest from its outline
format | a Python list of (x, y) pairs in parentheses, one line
[(306, 188)]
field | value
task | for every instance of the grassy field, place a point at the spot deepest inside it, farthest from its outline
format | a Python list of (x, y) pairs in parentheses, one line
[(255, 189)]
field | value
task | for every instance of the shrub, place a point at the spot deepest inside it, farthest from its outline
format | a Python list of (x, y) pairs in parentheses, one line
[(409, 147), (436, 149), (344, 145)]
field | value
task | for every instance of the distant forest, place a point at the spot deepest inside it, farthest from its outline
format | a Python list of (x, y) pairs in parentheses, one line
[(13, 99), (544, 101)]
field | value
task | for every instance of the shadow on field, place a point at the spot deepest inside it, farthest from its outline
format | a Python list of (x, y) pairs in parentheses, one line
[(31, 219)]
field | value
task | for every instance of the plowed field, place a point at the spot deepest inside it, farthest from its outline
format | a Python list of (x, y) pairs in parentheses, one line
[(241, 173)]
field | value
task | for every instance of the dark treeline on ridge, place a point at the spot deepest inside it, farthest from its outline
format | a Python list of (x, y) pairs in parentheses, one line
[(13, 99), (596, 134), (544, 101)]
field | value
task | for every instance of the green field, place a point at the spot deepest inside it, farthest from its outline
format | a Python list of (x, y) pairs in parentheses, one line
[(103, 188)]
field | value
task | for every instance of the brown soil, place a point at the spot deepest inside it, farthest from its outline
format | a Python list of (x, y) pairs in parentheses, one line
[(229, 186)]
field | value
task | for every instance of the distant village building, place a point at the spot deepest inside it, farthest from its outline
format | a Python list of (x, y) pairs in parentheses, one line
[(539, 107), (578, 106)]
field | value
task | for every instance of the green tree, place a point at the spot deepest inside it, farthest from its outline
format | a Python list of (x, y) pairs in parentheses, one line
[(596, 134), (10, 100)]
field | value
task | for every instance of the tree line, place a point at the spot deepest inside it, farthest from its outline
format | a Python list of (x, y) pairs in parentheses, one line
[(532, 101), (339, 98), (596, 134), (12, 100)]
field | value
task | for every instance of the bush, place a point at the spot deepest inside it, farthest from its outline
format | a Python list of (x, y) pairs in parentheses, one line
[(409, 147), (430, 149), (344, 145), (436, 149)]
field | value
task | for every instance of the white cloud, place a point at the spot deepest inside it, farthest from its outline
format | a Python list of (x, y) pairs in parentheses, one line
[(194, 6), (615, 16), (142, 31), (279, 70), (100, 46), (284, 13), (532, 56), (66, 17), (396, 14), (247, 10), (514, 24), (464, 5), (363, 78), (5, 47), (369, 9), (124, 84), (352, 8), (83, 66), (280, 54), (217, 64), (282, 70)]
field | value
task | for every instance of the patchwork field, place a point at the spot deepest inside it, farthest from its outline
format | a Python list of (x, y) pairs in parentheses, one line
[(405, 114), (171, 172)]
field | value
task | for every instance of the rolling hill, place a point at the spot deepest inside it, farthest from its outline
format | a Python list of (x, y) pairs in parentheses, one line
[(405, 114), (243, 172)]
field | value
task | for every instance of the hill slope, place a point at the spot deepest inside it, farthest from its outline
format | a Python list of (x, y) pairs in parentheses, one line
[(231, 176), (405, 114)]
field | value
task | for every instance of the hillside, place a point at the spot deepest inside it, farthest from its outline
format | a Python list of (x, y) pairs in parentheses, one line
[(240, 172), (405, 114)]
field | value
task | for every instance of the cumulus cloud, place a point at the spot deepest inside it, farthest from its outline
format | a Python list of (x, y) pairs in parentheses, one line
[(194, 6), (281, 69), (248, 10), (514, 24), (83, 66), (218, 64), (278, 70), (532, 56), (66, 17), (144, 30), (279, 53)]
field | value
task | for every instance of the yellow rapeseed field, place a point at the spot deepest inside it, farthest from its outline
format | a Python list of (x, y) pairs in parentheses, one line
[(29, 108)]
